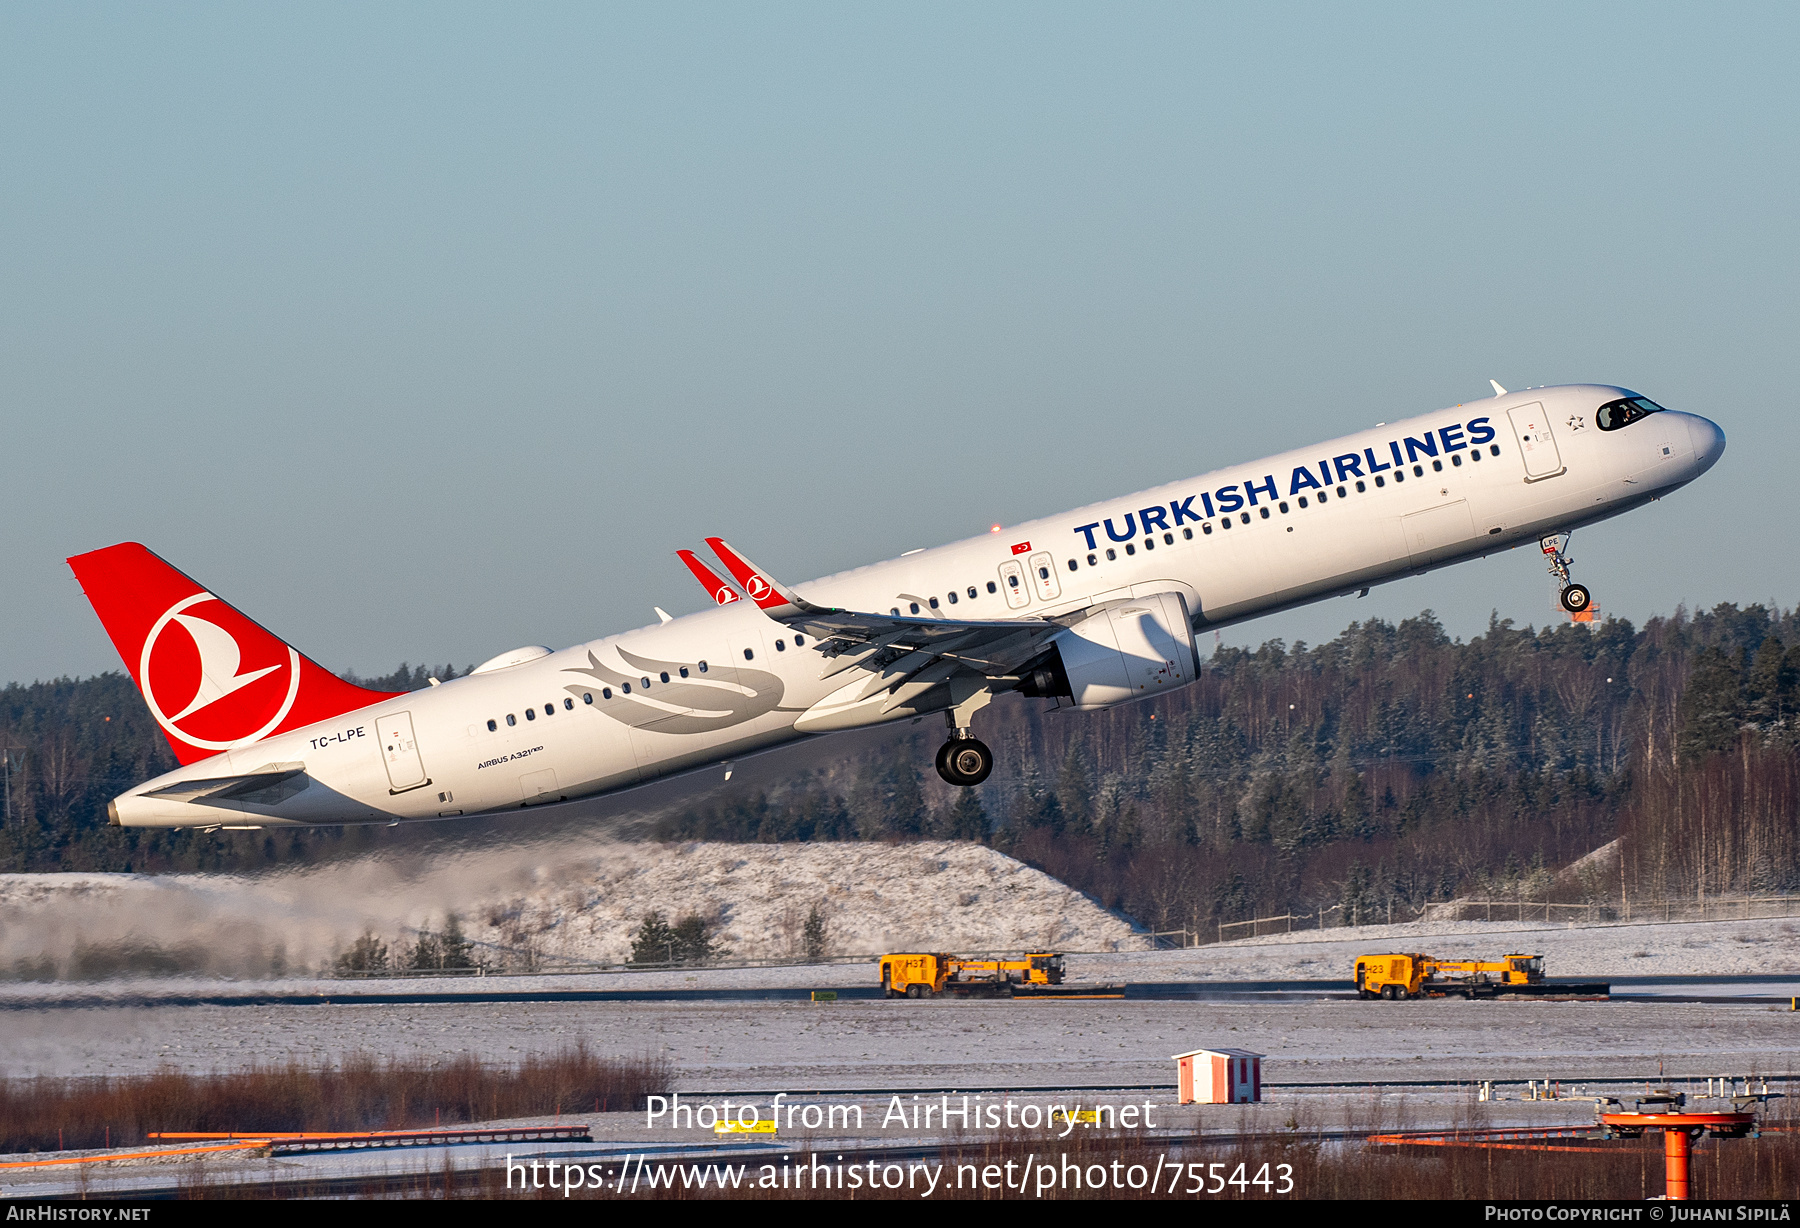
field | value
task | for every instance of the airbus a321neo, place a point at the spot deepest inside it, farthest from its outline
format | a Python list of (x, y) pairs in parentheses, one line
[(1089, 608)]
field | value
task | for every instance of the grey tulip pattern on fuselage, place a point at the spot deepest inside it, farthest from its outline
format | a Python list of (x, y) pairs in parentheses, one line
[(681, 705)]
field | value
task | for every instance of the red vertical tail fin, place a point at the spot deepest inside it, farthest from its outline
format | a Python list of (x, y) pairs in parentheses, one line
[(213, 679)]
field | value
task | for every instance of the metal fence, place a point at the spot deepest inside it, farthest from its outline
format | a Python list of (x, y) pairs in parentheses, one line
[(1723, 908), (1718, 908)]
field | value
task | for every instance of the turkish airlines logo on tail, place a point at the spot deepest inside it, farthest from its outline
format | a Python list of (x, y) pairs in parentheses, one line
[(198, 685)]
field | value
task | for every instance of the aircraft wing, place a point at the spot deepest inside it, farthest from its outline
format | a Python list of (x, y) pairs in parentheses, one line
[(896, 646)]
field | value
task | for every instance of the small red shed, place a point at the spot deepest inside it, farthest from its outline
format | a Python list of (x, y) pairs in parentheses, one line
[(1219, 1076)]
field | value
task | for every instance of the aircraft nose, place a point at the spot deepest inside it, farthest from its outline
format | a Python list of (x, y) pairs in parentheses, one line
[(1708, 440)]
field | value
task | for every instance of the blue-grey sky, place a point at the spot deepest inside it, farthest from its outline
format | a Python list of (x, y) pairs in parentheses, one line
[(422, 331)]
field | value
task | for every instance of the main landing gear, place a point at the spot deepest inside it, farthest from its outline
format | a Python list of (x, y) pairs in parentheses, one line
[(1574, 597), (964, 760)]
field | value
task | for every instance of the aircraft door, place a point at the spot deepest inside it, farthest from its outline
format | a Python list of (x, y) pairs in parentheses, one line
[(1536, 444), (1439, 532), (539, 787), (1012, 583), (1043, 576), (400, 750)]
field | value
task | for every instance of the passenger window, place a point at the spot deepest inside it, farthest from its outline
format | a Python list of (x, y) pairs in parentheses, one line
[(973, 593), (646, 683), (531, 714), (1149, 543), (952, 595), (915, 607), (1474, 454), (1399, 475), (1302, 500), (1168, 539), (625, 687), (1187, 534), (664, 675), (511, 719), (1264, 511), (492, 726), (1418, 471), (933, 603), (798, 640), (1342, 493), (1111, 554), (568, 705), (780, 646), (1243, 517), (1130, 548), (1284, 508), (549, 709), (990, 586), (1073, 564), (703, 667), (1493, 449), (684, 672), (748, 655), (587, 697), (1093, 560), (1380, 481), (1224, 522), (605, 692), (895, 611), (1457, 460), (1011, 581), (1361, 488)]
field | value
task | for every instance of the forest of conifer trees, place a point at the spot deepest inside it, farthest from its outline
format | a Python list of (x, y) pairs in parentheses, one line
[(1387, 768)]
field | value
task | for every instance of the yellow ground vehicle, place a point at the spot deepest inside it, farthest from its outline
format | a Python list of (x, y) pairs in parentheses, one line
[(914, 976), (1412, 976), (1390, 976), (1508, 970), (918, 975)]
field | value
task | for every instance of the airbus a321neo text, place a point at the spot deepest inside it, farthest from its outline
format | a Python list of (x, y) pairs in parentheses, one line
[(1089, 608)]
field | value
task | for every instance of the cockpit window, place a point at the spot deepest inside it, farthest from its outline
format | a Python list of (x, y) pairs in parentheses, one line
[(1615, 414)]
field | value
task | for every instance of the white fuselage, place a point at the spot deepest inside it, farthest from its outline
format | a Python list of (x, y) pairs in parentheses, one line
[(563, 725)]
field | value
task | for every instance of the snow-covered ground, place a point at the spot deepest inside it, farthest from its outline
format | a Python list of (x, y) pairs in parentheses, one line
[(1598, 952), (569, 899), (734, 1047)]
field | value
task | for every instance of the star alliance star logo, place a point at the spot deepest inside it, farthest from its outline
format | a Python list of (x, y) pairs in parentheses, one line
[(1577, 423)]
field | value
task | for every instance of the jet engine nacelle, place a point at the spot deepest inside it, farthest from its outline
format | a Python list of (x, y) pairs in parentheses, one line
[(1141, 648)]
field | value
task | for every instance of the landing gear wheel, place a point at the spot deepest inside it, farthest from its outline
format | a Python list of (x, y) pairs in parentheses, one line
[(1576, 598), (965, 762)]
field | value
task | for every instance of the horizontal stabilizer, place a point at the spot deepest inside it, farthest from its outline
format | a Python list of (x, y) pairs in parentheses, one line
[(268, 786)]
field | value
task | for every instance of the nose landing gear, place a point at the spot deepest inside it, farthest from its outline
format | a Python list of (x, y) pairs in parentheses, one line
[(1574, 597)]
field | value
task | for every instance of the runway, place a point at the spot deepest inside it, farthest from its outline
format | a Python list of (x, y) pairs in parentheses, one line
[(1694, 988)]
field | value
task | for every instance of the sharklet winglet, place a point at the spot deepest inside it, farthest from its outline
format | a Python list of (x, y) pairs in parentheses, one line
[(716, 588), (771, 596)]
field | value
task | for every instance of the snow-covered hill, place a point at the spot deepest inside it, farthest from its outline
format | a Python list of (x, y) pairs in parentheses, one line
[(568, 899)]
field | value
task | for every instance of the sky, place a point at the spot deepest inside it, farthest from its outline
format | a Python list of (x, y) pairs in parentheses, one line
[(424, 331)]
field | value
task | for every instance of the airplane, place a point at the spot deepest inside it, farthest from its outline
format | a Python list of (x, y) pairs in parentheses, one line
[(1086, 609)]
